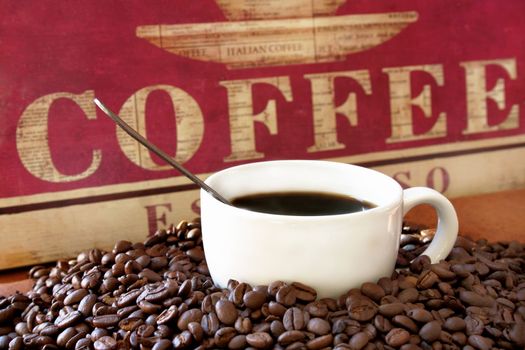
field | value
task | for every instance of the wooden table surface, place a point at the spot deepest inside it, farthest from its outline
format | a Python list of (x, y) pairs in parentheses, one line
[(496, 216)]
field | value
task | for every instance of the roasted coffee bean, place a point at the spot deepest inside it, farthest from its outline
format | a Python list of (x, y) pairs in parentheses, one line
[(349, 327), (21, 328), (321, 342), (430, 331), (156, 294), (408, 295), (207, 304), (359, 340), (442, 270), (163, 331), (132, 267), (474, 299), (390, 299), (226, 312), (121, 246), (7, 313), (149, 275), (145, 330), (192, 315), (318, 326), (162, 344), (397, 337), (286, 295), (340, 339), (243, 325), (418, 264), (4, 341), (46, 328), (259, 340), (157, 250), (71, 344), (17, 343), (407, 281), (481, 343), (454, 324), (382, 324), (83, 344), (445, 337), (361, 308), (91, 280), (390, 310), (196, 331), (65, 336), (420, 315), (261, 327), (168, 315), (143, 260), (35, 340), (276, 309), (474, 325), (427, 279), (387, 285), (494, 332), (411, 347), (210, 323), (75, 297), (158, 263), (290, 337), (237, 297), (517, 333), (276, 328), (110, 284), (68, 319), (370, 330), (223, 336), (237, 342), (274, 287), (303, 292), (254, 300), (196, 254), (103, 309), (85, 306), (295, 319), (184, 289), (148, 307), (318, 308), (130, 323), (127, 310), (373, 291), (106, 321), (405, 322), (182, 340)]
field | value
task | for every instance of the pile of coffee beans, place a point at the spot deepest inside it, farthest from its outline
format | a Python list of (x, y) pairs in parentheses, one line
[(159, 295)]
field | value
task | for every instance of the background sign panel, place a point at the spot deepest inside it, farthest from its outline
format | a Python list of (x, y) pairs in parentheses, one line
[(430, 92)]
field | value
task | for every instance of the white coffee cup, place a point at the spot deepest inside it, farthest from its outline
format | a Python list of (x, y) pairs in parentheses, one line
[(331, 253)]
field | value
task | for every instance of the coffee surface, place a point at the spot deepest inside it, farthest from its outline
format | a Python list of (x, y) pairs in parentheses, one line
[(301, 203)]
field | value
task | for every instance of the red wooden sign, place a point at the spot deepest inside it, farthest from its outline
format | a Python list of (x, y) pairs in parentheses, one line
[(430, 92)]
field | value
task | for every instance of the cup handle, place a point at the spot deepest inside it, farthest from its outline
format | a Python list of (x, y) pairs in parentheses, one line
[(447, 227)]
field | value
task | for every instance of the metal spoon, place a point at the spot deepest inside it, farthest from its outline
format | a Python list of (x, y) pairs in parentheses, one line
[(133, 133)]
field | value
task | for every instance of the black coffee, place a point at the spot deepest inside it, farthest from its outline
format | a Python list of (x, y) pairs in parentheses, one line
[(301, 203)]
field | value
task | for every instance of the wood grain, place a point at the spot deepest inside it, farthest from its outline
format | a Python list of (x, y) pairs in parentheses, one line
[(495, 216)]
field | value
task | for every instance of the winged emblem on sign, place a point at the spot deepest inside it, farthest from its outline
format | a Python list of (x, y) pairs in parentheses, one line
[(275, 32)]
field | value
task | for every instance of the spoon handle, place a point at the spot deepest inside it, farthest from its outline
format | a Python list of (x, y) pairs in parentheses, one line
[(131, 132)]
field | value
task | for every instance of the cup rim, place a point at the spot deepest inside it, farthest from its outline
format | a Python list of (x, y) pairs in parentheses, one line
[(242, 211)]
